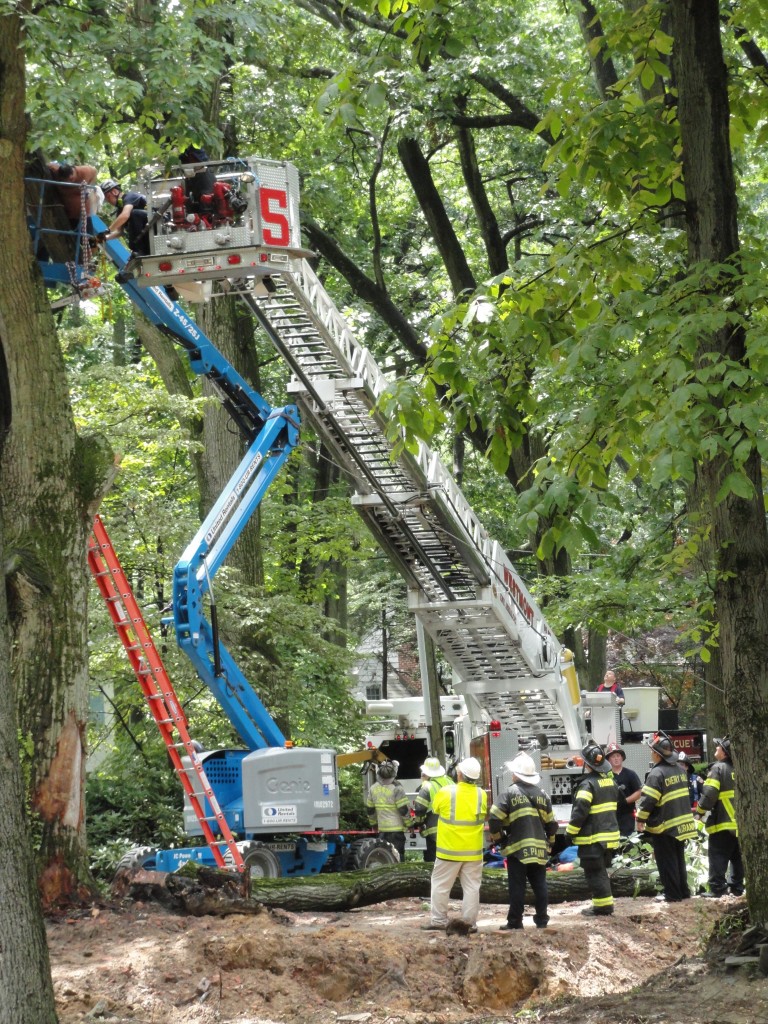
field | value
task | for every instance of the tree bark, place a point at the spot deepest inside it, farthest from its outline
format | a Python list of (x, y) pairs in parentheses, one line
[(231, 330), (739, 534), (26, 991), (50, 482)]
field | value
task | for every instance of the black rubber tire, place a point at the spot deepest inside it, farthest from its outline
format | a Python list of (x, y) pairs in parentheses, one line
[(373, 852), (261, 861), (139, 857)]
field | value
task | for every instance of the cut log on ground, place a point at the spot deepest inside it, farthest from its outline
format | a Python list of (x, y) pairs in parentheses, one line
[(215, 892)]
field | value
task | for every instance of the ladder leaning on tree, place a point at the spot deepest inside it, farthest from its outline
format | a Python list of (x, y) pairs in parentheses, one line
[(159, 693)]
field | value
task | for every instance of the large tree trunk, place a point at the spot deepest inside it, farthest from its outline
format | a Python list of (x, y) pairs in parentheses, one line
[(49, 479), (739, 535), (346, 890), (26, 992)]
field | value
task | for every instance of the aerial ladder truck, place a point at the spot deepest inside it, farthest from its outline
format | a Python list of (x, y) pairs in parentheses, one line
[(517, 682)]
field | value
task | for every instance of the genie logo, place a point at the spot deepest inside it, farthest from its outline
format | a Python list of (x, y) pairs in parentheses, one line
[(288, 786)]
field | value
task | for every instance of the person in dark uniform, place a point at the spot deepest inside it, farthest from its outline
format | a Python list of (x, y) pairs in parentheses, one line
[(199, 178), (524, 817), (594, 827), (716, 807), (664, 812), (629, 786), (694, 783)]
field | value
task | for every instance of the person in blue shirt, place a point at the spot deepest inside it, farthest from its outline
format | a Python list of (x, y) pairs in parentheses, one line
[(694, 783)]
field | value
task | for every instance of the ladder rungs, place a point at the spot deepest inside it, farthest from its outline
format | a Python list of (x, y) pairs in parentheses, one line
[(143, 668)]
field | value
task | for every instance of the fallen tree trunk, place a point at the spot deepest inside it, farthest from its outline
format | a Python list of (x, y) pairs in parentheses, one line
[(349, 889)]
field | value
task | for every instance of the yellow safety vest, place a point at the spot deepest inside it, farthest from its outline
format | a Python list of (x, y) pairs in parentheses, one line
[(461, 810)]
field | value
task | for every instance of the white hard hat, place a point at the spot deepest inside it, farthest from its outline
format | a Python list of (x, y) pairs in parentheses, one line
[(432, 768), (469, 768), (523, 768)]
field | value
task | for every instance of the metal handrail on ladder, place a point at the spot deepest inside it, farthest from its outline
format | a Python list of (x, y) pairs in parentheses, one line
[(157, 688)]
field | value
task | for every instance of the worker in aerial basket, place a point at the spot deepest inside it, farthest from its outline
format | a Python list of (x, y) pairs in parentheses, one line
[(594, 827), (387, 807), (132, 216)]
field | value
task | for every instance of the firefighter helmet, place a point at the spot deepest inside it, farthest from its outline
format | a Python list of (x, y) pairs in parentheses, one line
[(614, 748), (725, 743), (523, 767), (109, 184), (388, 770), (664, 747), (432, 768), (593, 756)]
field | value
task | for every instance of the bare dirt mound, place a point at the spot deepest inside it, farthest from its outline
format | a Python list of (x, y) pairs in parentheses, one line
[(375, 965)]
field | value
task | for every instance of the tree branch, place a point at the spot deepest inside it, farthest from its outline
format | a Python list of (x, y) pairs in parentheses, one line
[(419, 174), (591, 29), (486, 218)]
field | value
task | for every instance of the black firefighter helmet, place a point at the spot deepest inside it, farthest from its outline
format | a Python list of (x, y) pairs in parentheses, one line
[(725, 743), (593, 756), (664, 747)]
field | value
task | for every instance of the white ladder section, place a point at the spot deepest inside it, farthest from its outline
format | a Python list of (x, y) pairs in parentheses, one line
[(462, 587)]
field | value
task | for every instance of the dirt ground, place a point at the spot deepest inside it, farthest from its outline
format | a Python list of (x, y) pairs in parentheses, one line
[(651, 963)]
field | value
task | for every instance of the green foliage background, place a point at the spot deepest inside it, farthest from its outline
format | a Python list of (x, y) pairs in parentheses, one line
[(569, 365)]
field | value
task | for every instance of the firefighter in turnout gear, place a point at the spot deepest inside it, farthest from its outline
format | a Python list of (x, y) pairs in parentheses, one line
[(594, 827), (716, 806), (387, 807), (524, 826), (461, 809), (664, 813), (433, 778)]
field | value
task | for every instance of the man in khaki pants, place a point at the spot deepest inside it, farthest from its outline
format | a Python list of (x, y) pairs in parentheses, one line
[(461, 810)]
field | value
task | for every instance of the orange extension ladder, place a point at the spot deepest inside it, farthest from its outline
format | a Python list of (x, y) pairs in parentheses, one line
[(158, 689)]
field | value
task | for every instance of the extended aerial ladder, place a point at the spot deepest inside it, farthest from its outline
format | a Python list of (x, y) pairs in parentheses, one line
[(462, 587)]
